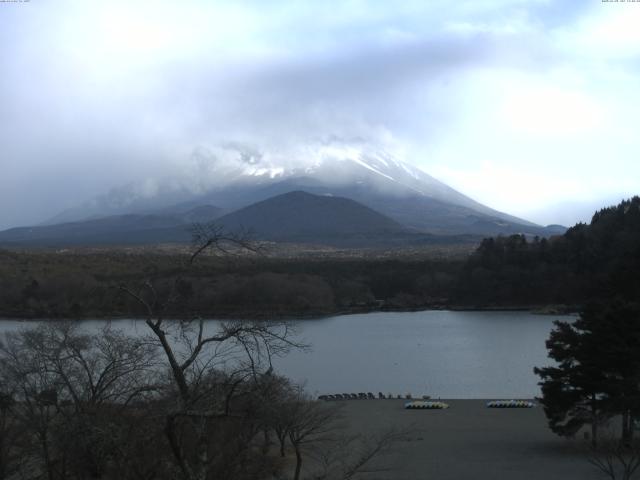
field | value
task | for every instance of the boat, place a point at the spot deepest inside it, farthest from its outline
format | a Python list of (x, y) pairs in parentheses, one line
[(510, 404), (425, 405)]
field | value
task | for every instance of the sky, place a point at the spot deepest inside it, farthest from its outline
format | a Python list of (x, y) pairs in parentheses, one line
[(530, 107)]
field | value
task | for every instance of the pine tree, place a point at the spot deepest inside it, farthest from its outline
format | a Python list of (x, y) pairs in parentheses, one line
[(597, 374), (572, 392)]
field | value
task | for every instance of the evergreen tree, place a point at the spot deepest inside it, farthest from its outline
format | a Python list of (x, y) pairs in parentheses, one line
[(572, 392), (597, 374)]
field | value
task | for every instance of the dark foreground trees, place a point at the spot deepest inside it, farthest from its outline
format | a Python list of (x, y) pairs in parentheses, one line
[(597, 375), (72, 400), (79, 405)]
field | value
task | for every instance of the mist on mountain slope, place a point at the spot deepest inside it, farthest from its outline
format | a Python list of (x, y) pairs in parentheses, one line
[(226, 169)]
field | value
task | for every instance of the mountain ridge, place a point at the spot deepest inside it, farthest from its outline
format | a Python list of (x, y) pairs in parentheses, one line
[(293, 217), (230, 177)]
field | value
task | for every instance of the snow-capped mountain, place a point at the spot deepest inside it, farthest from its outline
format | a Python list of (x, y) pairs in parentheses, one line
[(233, 176)]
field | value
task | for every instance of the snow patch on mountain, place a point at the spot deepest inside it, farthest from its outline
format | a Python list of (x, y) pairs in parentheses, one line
[(333, 162), (273, 172)]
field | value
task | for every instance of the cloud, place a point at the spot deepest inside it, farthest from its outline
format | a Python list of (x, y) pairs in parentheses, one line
[(94, 95)]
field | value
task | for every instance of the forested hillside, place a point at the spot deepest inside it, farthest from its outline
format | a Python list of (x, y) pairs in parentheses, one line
[(600, 259)]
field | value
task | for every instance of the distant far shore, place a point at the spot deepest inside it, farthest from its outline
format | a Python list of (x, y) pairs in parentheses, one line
[(249, 315), (78, 285)]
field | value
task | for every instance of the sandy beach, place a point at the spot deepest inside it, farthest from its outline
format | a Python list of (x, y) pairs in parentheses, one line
[(470, 441)]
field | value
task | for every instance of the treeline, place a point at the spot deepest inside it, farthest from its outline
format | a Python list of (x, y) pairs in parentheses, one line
[(77, 285), (600, 259)]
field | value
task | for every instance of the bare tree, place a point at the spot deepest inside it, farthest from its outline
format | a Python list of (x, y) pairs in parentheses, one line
[(351, 456), (109, 367), (310, 423), (10, 434), (66, 386), (34, 387), (616, 459), (316, 431), (195, 356)]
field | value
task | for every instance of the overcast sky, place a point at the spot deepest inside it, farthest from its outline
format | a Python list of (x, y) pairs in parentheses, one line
[(530, 107)]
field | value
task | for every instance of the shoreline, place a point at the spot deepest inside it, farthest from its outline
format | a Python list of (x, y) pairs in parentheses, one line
[(533, 309)]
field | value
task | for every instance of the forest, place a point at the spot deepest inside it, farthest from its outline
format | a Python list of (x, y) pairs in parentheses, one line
[(589, 260)]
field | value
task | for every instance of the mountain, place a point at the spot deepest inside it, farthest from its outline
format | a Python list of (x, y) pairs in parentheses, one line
[(199, 214), (302, 217), (169, 227), (293, 217), (234, 176)]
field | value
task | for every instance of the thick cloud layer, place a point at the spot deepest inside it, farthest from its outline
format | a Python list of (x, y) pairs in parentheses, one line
[(522, 105)]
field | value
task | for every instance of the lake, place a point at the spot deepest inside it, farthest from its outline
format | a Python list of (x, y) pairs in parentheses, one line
[(440, 353)]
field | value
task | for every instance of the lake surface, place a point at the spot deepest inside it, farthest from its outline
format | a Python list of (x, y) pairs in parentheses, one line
[(440, 353)]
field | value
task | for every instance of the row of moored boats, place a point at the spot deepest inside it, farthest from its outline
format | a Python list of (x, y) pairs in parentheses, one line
[(426, 405), (367, 396)]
